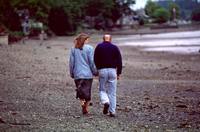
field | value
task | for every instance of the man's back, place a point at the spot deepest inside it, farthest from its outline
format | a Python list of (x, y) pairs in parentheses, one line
[(108, 55), (107, 58)]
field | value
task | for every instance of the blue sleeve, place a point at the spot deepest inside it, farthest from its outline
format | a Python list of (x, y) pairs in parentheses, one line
[(71, 63), (91, 61)]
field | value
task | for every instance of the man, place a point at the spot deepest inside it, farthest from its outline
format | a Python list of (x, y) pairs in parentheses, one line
[(108, 61)]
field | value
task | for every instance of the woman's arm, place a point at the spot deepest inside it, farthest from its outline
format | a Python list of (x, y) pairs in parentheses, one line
[(71, 63), (91, 61)]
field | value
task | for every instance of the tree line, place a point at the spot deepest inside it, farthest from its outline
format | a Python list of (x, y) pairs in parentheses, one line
[(160, 13), (63, 16), (165, 10), (188, 8)]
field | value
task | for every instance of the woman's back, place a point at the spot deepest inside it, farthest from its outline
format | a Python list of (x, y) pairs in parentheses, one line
[(81, 62)]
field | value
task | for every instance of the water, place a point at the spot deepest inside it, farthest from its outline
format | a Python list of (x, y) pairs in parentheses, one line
[(177, 49), (178, 42)]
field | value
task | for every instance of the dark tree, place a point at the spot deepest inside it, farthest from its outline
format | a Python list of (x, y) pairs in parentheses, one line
[(196, 15), (60, 22), (9, 17)]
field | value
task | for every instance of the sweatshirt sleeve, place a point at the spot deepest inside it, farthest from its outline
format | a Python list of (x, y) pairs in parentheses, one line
[(91, 61), (119, 62), (96, 57), (71, 63)]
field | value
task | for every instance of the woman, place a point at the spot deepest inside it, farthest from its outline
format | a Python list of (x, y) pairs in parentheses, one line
[(82, 69)]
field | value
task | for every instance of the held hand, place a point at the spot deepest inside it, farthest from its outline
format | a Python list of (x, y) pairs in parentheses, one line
[(118, 77), (72, 75), (96, 74)]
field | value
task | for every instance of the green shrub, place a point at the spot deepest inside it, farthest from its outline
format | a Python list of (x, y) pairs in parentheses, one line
[(161, 15), (151, 7), (15, 36)]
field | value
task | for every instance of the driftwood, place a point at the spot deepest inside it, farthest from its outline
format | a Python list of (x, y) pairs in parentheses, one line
[(4, 39), (163, 26)]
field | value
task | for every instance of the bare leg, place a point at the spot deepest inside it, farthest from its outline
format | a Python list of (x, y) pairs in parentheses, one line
[(84, 105)]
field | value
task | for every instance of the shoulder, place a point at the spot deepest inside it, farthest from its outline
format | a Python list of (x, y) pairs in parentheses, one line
[(99, 45), (88, 48), (72, 49), (114, 46)]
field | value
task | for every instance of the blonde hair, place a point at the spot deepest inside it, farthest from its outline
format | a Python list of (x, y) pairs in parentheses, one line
[(80, 40)]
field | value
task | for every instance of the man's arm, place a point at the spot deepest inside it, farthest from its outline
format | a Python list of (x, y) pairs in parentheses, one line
[(119, 62), (96, 56)]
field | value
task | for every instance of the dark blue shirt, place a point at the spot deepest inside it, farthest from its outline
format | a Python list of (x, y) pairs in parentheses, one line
[(107, 55)]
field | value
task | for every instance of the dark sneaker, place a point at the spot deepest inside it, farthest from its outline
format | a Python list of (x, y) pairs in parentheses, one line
[(105, 109), (111, 114)]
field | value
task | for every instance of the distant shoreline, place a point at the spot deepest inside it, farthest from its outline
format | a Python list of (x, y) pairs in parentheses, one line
[(147, 30)]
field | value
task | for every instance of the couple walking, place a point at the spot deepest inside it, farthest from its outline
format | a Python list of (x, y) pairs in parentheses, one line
[(105, 62)]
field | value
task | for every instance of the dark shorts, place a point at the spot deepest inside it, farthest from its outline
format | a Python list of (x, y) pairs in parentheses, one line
[(83, 90)]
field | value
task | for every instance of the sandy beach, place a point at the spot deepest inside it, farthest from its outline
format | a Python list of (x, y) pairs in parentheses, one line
[(158, 90)]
